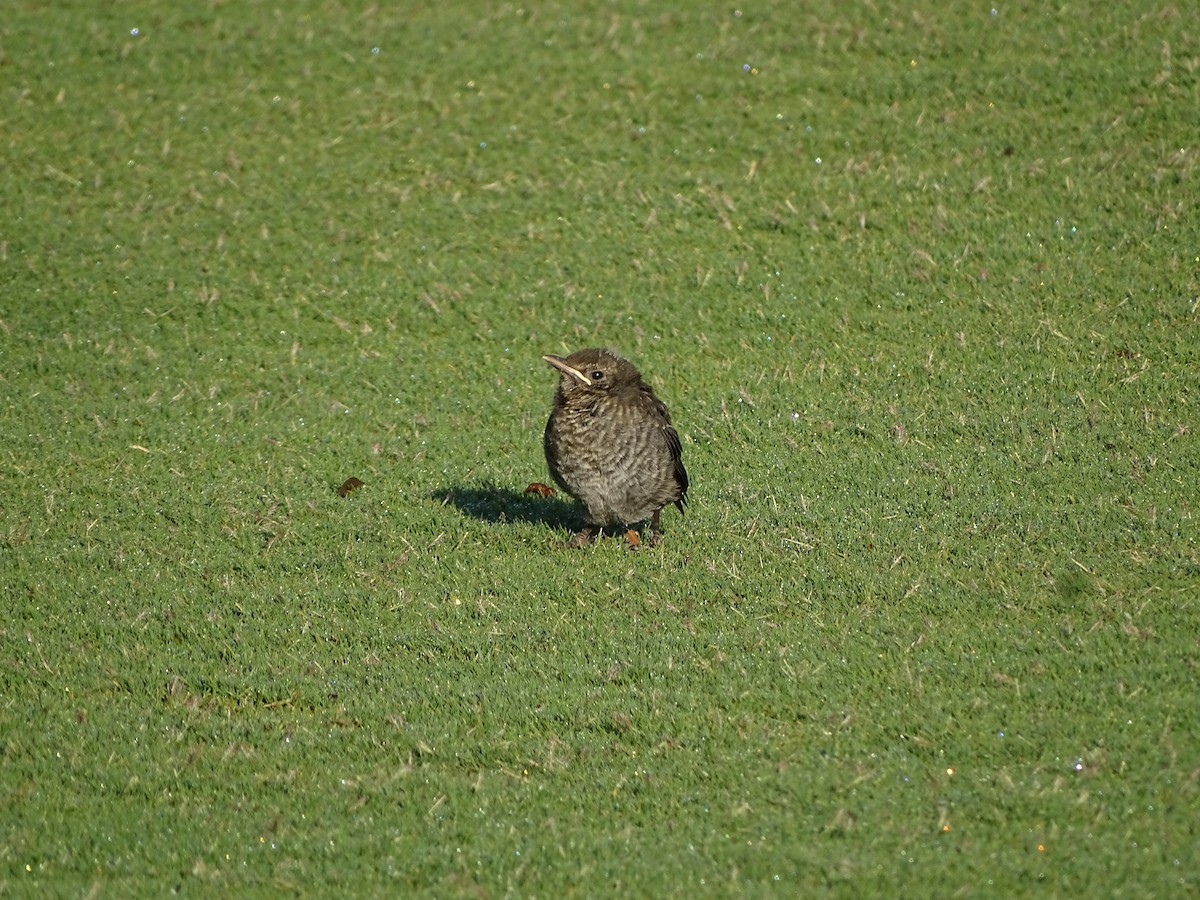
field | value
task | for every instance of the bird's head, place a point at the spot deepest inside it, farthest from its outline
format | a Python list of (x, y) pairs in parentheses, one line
[(593, 371)]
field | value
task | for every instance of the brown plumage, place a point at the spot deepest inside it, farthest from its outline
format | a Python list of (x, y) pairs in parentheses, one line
[(610, 443)]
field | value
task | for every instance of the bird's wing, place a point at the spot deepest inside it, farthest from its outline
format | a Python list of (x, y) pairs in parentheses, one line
[(651, 399), (681, 475), (672, 437)]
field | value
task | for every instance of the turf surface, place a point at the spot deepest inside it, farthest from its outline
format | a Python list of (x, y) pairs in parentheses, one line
[(920, 287)]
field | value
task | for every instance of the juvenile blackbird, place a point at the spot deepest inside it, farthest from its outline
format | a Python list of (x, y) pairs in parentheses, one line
[(610, 443)]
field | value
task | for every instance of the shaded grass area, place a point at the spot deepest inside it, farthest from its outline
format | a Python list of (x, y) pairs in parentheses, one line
[(920, 287)]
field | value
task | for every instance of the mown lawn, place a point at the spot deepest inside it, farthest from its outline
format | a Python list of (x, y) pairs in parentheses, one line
[(921, 287)]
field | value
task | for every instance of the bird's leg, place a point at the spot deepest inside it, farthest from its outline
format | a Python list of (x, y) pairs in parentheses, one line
[(633, 538), (582, 539), (655, 528)]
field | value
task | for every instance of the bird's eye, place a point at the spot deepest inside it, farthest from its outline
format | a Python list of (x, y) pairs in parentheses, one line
[(597, 375)]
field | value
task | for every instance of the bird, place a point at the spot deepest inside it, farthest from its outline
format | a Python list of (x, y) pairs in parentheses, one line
[(610, 444)]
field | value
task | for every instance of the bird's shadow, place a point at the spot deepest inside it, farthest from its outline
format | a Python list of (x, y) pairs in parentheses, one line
[(490, 502)]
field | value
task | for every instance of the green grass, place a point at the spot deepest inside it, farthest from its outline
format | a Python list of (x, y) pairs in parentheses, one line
[(921, 290)]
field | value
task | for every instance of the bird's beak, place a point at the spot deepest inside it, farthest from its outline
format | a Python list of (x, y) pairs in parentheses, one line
[(561, 364)]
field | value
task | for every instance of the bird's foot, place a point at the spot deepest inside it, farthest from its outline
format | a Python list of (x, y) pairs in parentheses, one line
[(656, 534), (633, 539), (580, 540)]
